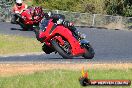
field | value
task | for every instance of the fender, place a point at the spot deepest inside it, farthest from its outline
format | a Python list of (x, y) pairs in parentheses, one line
[(59, 38)]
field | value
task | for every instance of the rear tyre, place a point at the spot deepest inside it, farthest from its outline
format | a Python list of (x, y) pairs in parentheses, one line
[(89, 54), (13, 19), (60, 50), (26, 27)]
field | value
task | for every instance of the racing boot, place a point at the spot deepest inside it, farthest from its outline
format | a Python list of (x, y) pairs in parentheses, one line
[(13, 19)]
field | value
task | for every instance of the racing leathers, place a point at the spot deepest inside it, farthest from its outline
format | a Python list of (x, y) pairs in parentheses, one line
[(16, 11)]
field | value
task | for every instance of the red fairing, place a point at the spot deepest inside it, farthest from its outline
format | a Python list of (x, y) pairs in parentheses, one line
[(46, 33), (30, 17), (27, 17), (76, 49), (63, 32)]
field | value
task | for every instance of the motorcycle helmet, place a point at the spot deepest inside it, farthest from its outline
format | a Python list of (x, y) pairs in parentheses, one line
[(19, 2), (38, 11)]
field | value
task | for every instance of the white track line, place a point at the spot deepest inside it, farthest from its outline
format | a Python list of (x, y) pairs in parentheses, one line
[(22, 54)]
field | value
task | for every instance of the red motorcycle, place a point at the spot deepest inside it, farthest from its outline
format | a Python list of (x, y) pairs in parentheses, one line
[(30, 17), (58, 38)]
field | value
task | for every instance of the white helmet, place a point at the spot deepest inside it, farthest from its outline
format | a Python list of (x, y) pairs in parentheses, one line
[(19, 1)]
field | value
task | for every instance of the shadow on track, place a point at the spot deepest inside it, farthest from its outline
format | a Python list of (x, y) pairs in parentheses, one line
[(16, 29), (76, 58), (20, 29)]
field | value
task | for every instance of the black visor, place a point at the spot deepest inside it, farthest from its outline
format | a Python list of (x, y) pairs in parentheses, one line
[(19, 4)]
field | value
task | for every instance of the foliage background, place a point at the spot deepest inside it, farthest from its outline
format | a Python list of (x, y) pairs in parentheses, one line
[(110, 7)]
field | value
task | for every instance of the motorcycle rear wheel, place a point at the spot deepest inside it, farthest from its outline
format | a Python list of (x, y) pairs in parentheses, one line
[(60, 50), (26, 27)]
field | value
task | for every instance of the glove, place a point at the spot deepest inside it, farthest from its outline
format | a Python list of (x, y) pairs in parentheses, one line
[(60, 21), (17, 12), (67, 24)]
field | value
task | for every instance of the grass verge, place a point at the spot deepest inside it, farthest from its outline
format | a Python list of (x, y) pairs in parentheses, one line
[(62, 78), (10, 44)]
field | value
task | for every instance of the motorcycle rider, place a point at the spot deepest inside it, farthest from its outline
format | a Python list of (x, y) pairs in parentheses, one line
[(37, 13), (59, 19), (18, 8)]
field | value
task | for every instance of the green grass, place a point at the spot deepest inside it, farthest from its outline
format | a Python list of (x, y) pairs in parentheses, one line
[(10, 44), (62, 79)]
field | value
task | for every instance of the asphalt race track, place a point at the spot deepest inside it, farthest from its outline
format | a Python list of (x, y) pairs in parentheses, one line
[(109, 45)]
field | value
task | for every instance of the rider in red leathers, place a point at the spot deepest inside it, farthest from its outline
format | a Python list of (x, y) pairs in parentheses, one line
[(37, 14), (29, 17), (34, 15), (17, 10)]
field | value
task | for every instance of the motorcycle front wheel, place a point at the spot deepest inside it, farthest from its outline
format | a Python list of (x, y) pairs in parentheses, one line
[(64, 50)]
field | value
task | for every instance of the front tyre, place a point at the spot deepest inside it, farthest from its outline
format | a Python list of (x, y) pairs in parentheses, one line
[(89, 54), (60, 49), (47, 49)]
